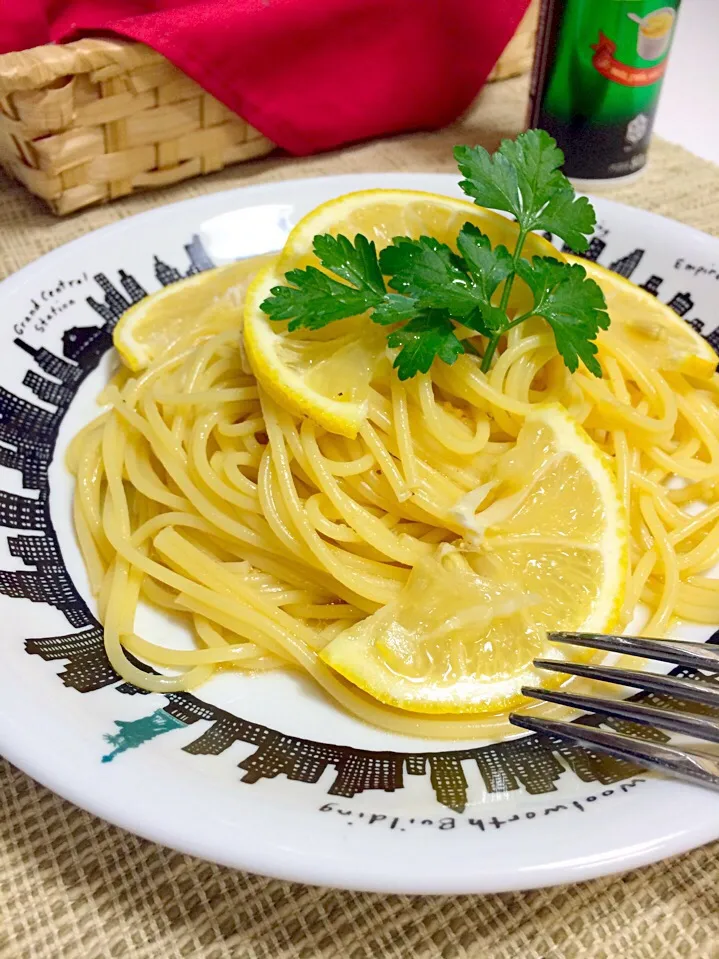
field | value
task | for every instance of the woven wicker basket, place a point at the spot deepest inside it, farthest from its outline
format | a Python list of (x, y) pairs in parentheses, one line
[(98, 119)]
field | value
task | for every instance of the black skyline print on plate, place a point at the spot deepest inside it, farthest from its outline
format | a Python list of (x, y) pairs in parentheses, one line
[(28, 434)]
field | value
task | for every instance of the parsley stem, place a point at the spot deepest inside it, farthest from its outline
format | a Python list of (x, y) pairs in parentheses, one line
[(494, 341), (503, 303), (489, 352), (517, 320)]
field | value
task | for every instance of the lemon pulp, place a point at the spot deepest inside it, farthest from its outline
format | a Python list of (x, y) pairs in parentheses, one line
[(645, 325), (153, 324), (548, 552)]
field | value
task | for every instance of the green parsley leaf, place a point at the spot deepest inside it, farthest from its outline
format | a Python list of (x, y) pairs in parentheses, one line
[(488, 267), (433, 290), (424, 269), (315, 299), (490, 179), (427, 336), (570, 217), (523, 178), (573, 305), (395, 309), (356, 263), (537, 159), (436, 278)]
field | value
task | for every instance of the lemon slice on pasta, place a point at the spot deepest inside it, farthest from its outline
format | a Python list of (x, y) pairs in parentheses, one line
[(153, 324), (650, 328), (326, 374), (550, 551)]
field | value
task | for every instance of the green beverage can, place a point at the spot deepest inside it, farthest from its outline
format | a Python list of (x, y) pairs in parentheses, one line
[(597, 76)]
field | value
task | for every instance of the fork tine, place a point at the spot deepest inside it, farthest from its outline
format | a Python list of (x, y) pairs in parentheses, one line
[(686, 724), (690, 689), (680, 763), (679, 651)]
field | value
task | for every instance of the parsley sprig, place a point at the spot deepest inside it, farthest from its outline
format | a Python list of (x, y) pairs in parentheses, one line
[(434, 298)]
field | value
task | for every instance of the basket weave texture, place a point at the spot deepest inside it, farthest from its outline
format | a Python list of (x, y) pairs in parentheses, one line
[(98, 119)]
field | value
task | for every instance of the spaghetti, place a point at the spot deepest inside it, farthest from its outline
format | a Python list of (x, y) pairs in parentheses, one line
[(198, 493)]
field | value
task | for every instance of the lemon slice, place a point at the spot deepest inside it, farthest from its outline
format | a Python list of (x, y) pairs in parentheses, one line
[(549, 552), (149, 327), (326, 374), (650, 327)]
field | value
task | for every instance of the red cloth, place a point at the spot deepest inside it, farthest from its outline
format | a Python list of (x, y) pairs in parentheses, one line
[(309, 74)]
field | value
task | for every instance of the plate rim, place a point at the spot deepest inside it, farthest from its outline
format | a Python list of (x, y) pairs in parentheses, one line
[(680, 841)]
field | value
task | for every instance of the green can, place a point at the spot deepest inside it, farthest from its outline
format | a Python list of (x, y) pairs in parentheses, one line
[(597, 76)]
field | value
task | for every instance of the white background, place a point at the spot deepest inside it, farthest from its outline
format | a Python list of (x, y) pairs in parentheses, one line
[(689, 107)]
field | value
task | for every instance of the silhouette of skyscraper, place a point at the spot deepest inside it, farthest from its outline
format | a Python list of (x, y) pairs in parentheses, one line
[(681, 303), (52, 364), (593, 251), (199, 260), (33, 585), (25, 419), (494, 770), (664, 700), (296, 759), (448, 779), (627, 728), (652, 285), (264, 763), (351, 775), (35, 550), (592, 767), (133, 289), (303, 764), (88, 667), (55, 393), (114, 304), (49, 584), (29, 460), (383, 771), (416, 765), (88, 643), (627, 264), (188, 709), (114, 299), (534, 762), (219, 737), (36, 462), (534, 765), (87, 675), (11, 458), (165, 273), (104, 311)]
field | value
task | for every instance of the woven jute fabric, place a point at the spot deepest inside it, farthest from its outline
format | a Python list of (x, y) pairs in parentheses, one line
[(73, 886)]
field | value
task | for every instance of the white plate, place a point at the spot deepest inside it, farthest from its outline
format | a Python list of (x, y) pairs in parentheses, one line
[(258, 772)]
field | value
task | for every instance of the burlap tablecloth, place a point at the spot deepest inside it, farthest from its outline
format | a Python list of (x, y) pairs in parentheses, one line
[(73, 886)]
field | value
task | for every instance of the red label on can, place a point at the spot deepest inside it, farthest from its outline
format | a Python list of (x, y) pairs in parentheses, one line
[(606, 63)]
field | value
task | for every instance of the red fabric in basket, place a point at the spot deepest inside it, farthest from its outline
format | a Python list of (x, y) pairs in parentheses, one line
[(309, 74)]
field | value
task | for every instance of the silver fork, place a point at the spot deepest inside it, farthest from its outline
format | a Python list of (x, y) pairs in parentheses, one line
[(686, 702)]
